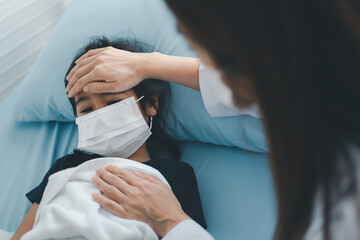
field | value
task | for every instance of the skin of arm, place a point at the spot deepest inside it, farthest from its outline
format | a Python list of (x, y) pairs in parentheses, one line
[(112, 70), (180, 70), (27, 223)]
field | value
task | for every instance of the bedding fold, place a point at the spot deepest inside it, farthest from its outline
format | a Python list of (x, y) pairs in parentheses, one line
[(5, 235)]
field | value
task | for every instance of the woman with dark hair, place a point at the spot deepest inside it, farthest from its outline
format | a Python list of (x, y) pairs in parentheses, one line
[(144, 140), (299, 62)]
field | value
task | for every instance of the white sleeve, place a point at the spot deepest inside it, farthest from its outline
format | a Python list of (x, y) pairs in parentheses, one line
[(5, 235), (344, 212), (344, 221), (217, 96), (188, 229)]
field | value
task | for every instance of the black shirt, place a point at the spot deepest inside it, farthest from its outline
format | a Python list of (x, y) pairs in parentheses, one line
[(179, 175)]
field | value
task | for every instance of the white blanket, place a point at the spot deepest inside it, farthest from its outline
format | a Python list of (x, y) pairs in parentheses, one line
[(67, 210), (5, 235)]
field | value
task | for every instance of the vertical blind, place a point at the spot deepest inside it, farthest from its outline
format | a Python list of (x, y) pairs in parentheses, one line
[(24, 28)]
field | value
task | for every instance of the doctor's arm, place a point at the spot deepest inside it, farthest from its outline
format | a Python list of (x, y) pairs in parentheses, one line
[(114, 70), (27, 223)]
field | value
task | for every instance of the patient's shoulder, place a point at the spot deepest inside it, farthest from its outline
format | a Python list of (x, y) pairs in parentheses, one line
[(184, 169), (74, 159), (158, 162), (171, 169), (78, 154)]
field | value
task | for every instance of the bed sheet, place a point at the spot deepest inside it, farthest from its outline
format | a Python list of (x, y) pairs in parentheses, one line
[(24, 27), (235, 185), (236, 190), (27, 151)]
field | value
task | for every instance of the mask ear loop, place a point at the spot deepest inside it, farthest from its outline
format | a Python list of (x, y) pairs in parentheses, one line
[(139, 98), (151, 120), (150, 117)]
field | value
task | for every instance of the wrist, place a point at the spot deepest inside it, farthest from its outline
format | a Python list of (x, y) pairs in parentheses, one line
[(147, 67), (170, 223), (180, 70)]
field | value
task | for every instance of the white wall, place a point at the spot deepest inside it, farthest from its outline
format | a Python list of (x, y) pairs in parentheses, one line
[(24, 27)]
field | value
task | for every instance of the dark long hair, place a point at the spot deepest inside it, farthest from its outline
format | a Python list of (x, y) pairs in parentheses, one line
[(154, 91), (300, 61)]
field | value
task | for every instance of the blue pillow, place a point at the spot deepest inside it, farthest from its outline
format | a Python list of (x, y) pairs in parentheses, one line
[(236, 189), (42, 94)]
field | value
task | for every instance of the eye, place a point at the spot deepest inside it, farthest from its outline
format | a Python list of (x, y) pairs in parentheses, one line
[(86, 110), (113, 101)]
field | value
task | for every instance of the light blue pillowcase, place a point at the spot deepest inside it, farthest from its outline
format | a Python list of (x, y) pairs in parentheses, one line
[(42, 96), (236, 189)]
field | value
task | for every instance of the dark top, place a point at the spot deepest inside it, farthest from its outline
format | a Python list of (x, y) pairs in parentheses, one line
[(179, 175)]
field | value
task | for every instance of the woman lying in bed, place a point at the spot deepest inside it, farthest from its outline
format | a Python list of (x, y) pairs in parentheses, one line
[(137, 111)]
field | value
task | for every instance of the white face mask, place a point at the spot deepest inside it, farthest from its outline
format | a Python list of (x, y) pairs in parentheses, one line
[(118, 130)]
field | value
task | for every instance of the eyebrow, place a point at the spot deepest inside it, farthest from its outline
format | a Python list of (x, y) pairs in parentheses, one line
[(84, 98), (81, 99)]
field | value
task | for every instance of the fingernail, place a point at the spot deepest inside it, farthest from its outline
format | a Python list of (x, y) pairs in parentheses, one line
[(93, 178), (108, 167), (98, 171), (95, 196), (76, 61)]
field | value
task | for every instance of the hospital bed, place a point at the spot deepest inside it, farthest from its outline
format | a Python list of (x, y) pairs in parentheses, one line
[(228, 154)]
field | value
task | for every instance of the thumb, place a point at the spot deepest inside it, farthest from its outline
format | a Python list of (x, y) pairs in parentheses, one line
[(100, 87)]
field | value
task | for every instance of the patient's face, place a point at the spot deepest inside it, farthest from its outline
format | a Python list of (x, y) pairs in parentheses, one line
[(89, 102)]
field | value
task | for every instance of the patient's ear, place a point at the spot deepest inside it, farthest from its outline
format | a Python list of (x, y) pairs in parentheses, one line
[(151, 111)]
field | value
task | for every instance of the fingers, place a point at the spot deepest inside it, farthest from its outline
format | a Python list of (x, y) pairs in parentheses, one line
[(100, 87), (83, 81), (112, 206), (108, 189), (147, 177), (128, 177), (81, 64), (86, 63), (113, 180), (79, 71), (90, 53)]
